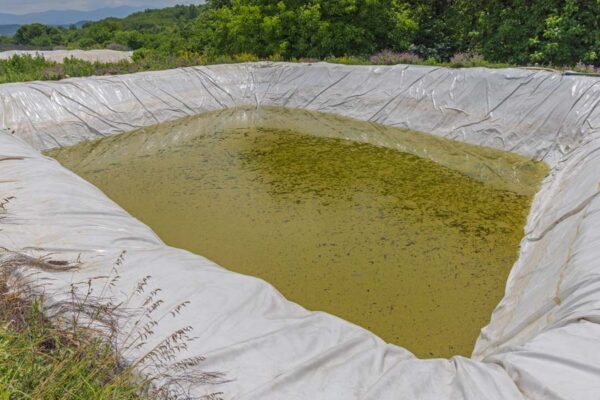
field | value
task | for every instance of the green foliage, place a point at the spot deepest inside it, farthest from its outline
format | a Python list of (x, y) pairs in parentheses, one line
[(24, 68), (549, 32), (552, 32), (167, 29), (38, 35), (81, 352), (514, 32), (292, 28), (27, 68), (569, 33), (347, 60), (74, 67), (40, 361)]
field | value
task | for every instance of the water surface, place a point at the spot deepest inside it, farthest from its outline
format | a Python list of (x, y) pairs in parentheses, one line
[(406, 234)]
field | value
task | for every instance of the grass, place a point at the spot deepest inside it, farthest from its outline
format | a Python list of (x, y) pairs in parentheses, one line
[(39, 361), (72, 348), (24, 68), (74, 354), (42, 360)]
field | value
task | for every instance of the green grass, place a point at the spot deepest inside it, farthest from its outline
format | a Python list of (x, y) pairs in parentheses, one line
[(27, 68), (23, 68), (76, 354), (38, 360)]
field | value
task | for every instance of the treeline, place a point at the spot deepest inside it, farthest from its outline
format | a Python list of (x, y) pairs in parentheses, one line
[(165, 30), (545, 32)]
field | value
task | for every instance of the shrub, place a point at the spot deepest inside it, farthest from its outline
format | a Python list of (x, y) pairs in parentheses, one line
[(75, 67), (190, 58), (309, 60), (222, 59), (348, 60), (23, 68), (276, 57), (588, 69), (117, 46), (388, 57), (245, 57), (462, 60)]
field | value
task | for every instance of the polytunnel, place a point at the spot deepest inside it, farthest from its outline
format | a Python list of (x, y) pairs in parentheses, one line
[(543, 340)]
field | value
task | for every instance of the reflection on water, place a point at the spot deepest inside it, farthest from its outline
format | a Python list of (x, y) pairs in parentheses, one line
[(414, 245)]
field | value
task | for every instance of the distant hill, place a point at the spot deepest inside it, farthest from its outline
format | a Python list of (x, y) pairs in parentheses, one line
[(8, 30), (66, 17)]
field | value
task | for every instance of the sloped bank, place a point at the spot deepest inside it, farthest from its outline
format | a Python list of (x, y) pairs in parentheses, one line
[(543, 339)]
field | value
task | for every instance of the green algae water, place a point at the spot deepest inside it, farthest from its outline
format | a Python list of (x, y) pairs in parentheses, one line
[(406, 234)]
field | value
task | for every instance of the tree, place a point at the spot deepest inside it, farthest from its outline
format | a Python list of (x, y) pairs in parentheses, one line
[(37, 35)]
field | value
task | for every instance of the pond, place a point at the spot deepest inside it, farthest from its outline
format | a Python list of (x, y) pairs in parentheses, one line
[(409, 235)]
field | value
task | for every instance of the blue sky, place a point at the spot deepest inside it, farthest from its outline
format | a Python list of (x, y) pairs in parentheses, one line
[(28, 6)]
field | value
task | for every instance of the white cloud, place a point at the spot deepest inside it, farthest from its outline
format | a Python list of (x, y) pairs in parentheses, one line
[(28, 6)]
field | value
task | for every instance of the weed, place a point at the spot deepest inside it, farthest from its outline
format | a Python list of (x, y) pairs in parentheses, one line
[(73, 345), (387, 57)]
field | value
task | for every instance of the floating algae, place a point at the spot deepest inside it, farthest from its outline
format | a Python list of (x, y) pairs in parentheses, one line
[(411, 238)]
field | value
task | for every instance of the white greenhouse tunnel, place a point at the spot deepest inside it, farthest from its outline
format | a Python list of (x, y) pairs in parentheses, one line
[(543, 340)]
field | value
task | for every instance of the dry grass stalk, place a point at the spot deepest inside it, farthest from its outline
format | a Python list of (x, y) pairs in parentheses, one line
[(88, 324)]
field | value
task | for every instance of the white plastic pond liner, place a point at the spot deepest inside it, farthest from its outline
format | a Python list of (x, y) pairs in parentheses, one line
[(543, 341), (100, 55)]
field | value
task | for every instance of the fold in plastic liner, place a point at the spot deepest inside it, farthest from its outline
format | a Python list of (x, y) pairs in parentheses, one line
[(543, 341)]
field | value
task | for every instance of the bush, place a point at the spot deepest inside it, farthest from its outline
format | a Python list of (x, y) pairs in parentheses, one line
[(309, 60), (222, 59), (348, 60), (245, 57), (276, 57), (462, 60), (190, 58), (588, 69), (387, 57), (549, 32), (74, 67), (24, 68), (117, 47)]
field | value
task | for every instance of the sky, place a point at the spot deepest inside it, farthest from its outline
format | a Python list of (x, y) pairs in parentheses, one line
[(29, 6)]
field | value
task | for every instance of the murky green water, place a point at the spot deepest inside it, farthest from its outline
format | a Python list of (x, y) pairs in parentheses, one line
[(412, 238)]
